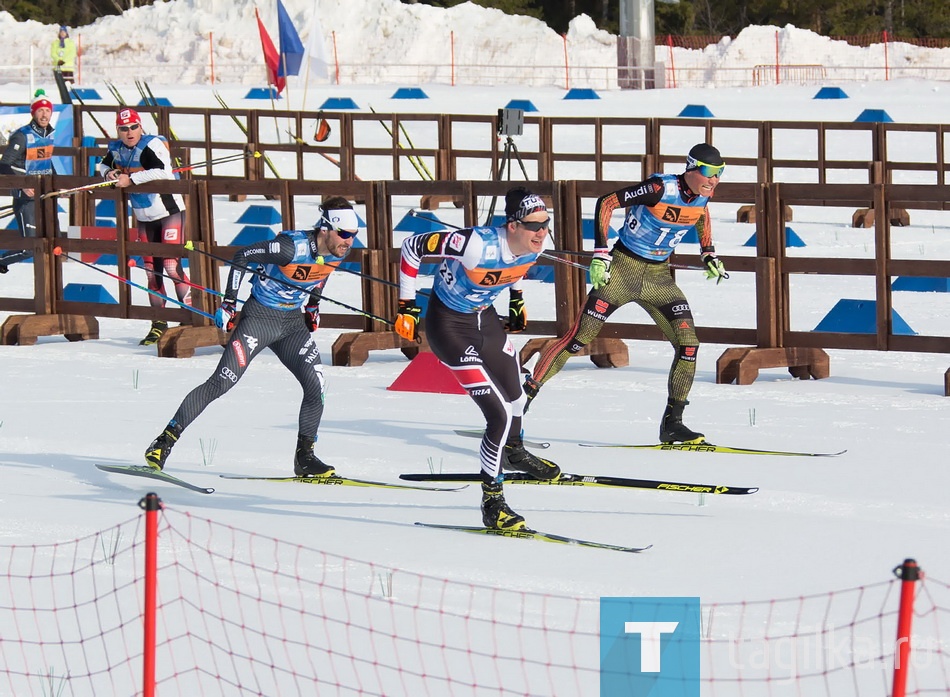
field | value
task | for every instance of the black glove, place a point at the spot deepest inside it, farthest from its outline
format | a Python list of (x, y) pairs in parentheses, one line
[(517, 317), (407, 320), (311, 316), (61, 63)]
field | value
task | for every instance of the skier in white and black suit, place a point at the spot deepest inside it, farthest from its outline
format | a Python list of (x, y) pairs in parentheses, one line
[(295, 266), (466, 334)]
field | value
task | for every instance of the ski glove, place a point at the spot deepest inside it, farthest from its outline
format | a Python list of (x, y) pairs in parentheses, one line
[(600, 269), (407, 320), (311, 315), (714, 267), (517, 317), (224, 317)]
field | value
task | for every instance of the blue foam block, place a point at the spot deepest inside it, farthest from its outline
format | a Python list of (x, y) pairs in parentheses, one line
[(415, 225), (581, 93), (157, 101), (87, 293), (923, 284), (338, 103), (874, 116), (262, 93), (409, 93), (250, 234), (859, 317), (113, 260), (105, 208), (85, 93), (260, 215), (696, 111), (523, 104), (587, 229), (545, 274), (830, 93), (791, 239)]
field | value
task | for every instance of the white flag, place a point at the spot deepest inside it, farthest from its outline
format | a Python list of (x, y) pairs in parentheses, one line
[(316, 50)]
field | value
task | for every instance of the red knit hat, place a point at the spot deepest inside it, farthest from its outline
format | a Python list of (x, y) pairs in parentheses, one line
[(127, 116), (40, 102)]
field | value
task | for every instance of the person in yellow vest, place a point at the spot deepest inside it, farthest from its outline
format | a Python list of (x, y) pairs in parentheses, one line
[(63, 54)]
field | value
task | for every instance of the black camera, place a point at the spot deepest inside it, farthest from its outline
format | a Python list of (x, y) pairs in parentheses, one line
[(510, 122)]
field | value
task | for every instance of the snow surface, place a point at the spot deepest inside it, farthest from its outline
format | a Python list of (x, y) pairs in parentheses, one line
[(68, 405)]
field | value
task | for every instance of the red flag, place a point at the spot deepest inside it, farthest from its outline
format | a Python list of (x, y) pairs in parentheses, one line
[(271, 57)]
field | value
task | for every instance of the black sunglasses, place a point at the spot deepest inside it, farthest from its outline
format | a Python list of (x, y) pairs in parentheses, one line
[(345, 234), (537, 225), (126, 129)]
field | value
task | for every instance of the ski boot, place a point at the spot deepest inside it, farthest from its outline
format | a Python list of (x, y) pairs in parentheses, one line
[(495, 512), (517, 459), (155, 333), (161, 447), (672, 428), (306, 464)]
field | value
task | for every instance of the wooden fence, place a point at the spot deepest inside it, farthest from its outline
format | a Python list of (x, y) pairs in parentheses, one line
[(764, 179)]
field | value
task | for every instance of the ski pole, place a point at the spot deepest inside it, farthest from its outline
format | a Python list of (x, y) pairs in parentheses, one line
[(58, 251), (260, 272), (551, 253), (98, 185), (77, 189), (196, 286)]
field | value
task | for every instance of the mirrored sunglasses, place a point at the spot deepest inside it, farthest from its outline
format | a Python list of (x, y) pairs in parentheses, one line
[(346, 234), (708, 170), (131, 127), (536, 225)]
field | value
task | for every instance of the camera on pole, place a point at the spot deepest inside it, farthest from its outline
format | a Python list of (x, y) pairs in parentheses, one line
[(510, 122)]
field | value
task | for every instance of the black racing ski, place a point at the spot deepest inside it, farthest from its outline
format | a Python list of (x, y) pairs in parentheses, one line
[(704, 447), (152, 473), (475, 433), (536, 535), (587, 480), (335, 480)]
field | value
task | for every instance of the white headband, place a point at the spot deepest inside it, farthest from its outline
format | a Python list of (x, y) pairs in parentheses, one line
[(342, 219)]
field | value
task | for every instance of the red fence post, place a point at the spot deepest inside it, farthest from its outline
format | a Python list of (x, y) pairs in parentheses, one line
[(909, 573), (151, 504), (567, 69)]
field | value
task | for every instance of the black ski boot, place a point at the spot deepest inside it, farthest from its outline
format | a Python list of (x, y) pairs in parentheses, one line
[(161, 447), (495, 512), (306, 464), (672, 428), (159, 327), (517, 459)]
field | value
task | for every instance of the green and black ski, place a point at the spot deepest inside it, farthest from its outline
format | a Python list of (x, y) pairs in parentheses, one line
[(587, 480), (335, 480), (152, 473), (704, 447), (529, 534)]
